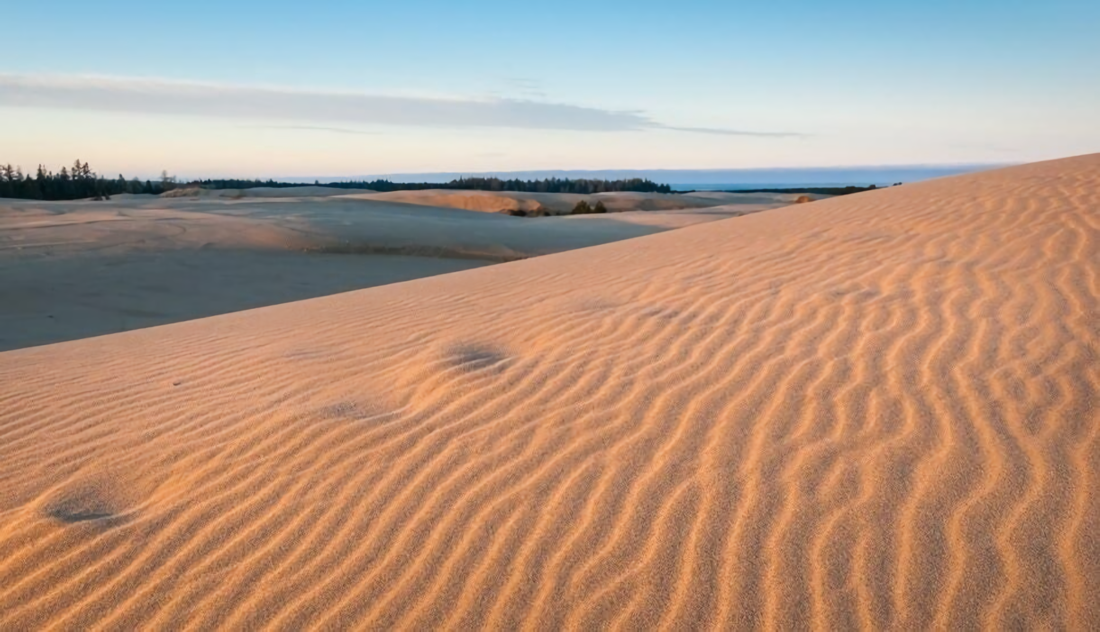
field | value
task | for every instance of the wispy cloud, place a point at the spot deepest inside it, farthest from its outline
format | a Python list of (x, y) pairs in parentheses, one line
[(158, 96), (728, 132), (315, 128)]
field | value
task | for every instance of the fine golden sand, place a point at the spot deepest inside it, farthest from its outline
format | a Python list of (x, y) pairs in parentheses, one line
[(876, 411)]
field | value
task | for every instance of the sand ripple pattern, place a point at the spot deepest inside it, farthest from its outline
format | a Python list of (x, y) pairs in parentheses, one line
[(875, 412)]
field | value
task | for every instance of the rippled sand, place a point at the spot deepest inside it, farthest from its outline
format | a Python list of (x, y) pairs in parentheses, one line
[(877, 411)]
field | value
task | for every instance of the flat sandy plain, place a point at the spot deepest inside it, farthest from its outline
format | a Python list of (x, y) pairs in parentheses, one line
[(72, 270), (877, 411)]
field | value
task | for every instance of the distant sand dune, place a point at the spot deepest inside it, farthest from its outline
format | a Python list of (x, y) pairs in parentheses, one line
[(490, 201), (261, 192), (560, 203), (76, 269), (875, 411)]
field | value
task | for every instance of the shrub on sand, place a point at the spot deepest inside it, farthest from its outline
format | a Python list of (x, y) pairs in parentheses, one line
[(582, 208)]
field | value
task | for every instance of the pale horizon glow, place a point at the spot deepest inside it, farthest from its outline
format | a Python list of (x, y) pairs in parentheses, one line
[(265, 90)]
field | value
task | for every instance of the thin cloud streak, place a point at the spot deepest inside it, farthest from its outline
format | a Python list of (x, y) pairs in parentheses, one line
[(729, 132), (314, 128), (157, 96)]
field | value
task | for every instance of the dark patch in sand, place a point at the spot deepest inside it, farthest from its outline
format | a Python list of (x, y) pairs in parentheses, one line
[(85, 503), (473, 356)]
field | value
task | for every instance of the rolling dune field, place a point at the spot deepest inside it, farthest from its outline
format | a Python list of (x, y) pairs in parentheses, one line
[(562, 203), (877, 411), (71, 270)]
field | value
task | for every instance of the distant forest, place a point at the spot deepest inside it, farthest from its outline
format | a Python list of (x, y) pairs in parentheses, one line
[(80, 182), (74, 183), (550, 185)]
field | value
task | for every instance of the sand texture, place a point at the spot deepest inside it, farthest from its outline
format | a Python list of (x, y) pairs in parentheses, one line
[(877, 411)]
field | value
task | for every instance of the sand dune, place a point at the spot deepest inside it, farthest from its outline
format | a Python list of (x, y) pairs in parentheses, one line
[(262, 192), (875, 411), (498, 201), (77, 269), (559, 203)]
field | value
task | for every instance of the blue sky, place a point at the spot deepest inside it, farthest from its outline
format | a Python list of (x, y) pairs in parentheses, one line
[(340, 87)]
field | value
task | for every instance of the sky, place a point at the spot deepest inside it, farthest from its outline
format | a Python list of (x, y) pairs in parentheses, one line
[(340, 87)]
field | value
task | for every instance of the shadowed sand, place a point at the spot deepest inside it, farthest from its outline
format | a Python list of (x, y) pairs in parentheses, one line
[(875, 411), (77, 269)]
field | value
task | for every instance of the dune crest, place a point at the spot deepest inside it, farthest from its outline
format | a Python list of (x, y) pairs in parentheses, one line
[(875, 411)]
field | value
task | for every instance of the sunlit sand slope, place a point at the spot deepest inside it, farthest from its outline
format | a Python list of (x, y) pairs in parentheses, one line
[(876, 411)]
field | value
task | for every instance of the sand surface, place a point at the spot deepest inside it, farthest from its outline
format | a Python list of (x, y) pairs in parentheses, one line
[(70, 270), (308, 190), (558, 203), (876, 411)]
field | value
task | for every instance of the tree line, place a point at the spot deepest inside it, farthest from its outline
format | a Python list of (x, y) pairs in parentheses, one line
[(80, 182), (73, 183), (549, 185)]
